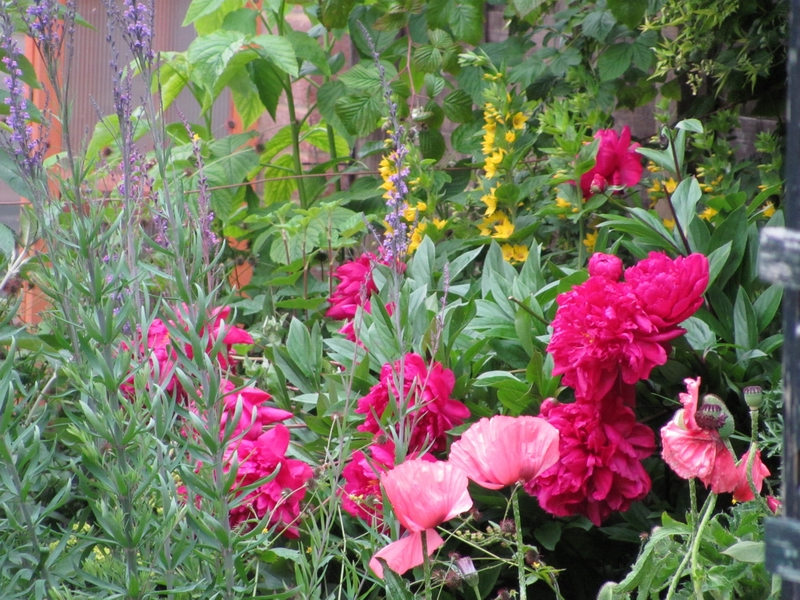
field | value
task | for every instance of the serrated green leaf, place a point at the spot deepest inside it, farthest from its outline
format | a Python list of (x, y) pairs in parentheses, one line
[(628, 12), (598, 24), (268, 82), (246, 97), (278, 49), (334, 13), (457, 106), (360, 112), (525, 7), (7, 242), (200, 8), (432, 144), (307, 48), (280, 188), (614, 61)]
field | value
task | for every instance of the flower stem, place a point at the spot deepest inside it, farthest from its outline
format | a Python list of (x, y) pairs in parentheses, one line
[(697, 574), (523, 590), (426, 565)]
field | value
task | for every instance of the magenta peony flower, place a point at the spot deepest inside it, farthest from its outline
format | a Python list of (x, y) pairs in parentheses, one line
[(605, 265), (502, 451), (599, 469), (279, 498), (617, 163), (354, 289), (601, 332), (743, 493), (430, 414), (361, 494), (423, 495), (231, 334), (255, 414), (698, 450), (158, 346), (670, 291)]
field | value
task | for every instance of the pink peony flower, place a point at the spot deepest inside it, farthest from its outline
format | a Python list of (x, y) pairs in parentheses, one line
[(670, 291), (354, 289), (279, 498), (743, 493), (423, 495), (255, 414), (430, 413), (502, 451), (617, 163), (695, 451), (599, 469), (600, 332), (361, 494), (605, 265), (158, 346), (219, 328)]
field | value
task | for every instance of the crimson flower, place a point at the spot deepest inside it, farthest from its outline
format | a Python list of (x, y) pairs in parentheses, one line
[(361, 494), (220, 328), (158, 346), (502, 451), (743, 493), (430, 412), (695, 449), (600, 332), (599, 469), (279, 498), (423, 495), (355, 287), (255, 414), (670, 291), (605, 265), (617, 163)]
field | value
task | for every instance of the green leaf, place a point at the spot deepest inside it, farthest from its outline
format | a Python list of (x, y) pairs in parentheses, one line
[(7, 243), (432, 144), (466, 20), (279, 50), (365, 76), (268, 82), (229, 170), (210, 54), (642, 56), (173, 77), (10, 174), (766, 305), (598, 24), (396, 586), (327, 95), (279, 190), (525, 7), (427, 58), (692, 125), (733, 229), (360, 112), (421, 268), (246, 97), (614, 61), (334, 13), (717, 260), (685, 200), (745, 327), (457, 106), (548, 534), (748, 552), (243, 20), (200, 8), (434, 84), (307, 48), (628, 12)]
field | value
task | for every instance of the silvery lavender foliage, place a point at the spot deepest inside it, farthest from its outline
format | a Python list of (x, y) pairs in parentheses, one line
[(25, 148), (395, 241)]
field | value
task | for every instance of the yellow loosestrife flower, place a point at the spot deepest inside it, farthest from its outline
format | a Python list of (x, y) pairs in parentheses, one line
[(669, 223), (490, 200), (519, 120), (503, 229), (510, 137), (670, 185), (590, 241), (709, 214), (515, 253), (769, 209), (416, 237)]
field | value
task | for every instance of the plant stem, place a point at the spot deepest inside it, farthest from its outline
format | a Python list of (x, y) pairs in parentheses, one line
[(426, 565), (523, 589), (693, 499), (697, 575)]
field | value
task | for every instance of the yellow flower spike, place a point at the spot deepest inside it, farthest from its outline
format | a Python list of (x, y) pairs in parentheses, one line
[(504, 229), (519, 120), (510, 137), (709, 214), (669, 223), (590, 241), (670, 185), (769, 209)]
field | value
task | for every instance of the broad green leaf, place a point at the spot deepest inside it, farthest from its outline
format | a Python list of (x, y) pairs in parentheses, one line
[(432, 144), (548, 534), (614, 61), (434, 84), (327, 95), (210, 54), (525, 7), (766, 305), (7, 243), (427, 58), (308, 49), (457, 106), (246, 98), (243, 20), (466, 20), (365, 76), (280, 189), (421, 268), (268, 82), (734, 230), (213, 21), (200, 8), (745, 327), (717, 260), (628, 12), (277, 49), (174, 75), (692, 125), (747, 551), (598, 24), (10, 174), (360, 112), (685, 200), (231, 171), (335, 13)]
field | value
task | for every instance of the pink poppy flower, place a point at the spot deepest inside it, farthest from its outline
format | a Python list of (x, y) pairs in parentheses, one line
[(600, 333), (279, 498), (670, 291), (430, 414), (423, 495), (599, 470), (255, 414), (698, 450), (361, 494), (774, 504), (502, 451), (743, 493), (355, 287), (617, 163)]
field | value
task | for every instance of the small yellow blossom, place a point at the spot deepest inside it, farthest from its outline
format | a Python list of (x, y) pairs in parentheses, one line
[(656, 187), (485, 226), (490, 200), (510, 137), (769, 209), (503, 229), (487, 146), (519, 120), (440, 223), (562, 203), (490, 77), (410, 213), (386, 168), (515, 253), (590, 241), (196, 138), (492, 161), (670, 185), (762, 187), (707, 188), (416, 237), (709, 214), (652, 167), (669, 223)]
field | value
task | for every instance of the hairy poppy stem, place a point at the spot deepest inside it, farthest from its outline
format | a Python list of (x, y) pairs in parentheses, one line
[(697, 574), (523, 589), (426, 565)]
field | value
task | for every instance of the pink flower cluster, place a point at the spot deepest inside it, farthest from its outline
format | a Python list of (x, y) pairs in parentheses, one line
[(694, 447), (423, 412), (258, 443), (607, 335), (617, 163)]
